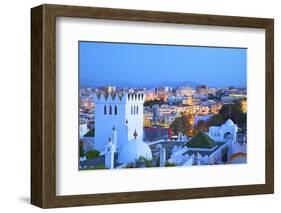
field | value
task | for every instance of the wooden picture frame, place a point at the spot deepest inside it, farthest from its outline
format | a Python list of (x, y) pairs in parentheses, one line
[(43, 105)]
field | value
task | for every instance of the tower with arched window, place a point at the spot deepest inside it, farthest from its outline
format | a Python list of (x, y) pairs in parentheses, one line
[(121, 111), (225, 132)]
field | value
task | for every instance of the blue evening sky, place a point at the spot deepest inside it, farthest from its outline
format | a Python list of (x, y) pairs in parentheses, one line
[(148, 65)]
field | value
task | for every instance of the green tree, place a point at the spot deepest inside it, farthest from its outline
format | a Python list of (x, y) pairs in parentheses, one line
[(201, 126), (92, 154), (234, 112), (81, 149), (143, 162), (215, 120), (150, 103), (99, 166), (169, 164), (180, 124)]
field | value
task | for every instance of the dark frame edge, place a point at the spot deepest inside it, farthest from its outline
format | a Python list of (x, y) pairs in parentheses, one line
[(156, 16), (157, 196), (269, 107), (43, 107), (37, 197)]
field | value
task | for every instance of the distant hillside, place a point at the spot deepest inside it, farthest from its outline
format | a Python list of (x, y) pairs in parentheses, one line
[(87, 82)]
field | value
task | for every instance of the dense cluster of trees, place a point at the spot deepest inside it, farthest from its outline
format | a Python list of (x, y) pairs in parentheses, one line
[(81, 149), (90, 154), (99, 166), (183, 124), (150, 103), (232, 111), (141, 162)]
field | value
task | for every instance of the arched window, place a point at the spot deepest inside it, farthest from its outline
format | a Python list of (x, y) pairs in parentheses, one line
[(134, 109), (137, 109), (128, 96), (115, 110), (131, 110), (138, 96), (104, 110), (142, 96), (110, 110)]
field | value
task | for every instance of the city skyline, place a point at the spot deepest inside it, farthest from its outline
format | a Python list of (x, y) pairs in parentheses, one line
[(148, 105), (161, 62)]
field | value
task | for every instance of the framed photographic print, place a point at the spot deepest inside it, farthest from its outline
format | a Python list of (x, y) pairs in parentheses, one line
[(136, 106)]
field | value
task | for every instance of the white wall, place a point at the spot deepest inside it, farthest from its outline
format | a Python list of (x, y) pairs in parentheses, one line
[(15, 104)]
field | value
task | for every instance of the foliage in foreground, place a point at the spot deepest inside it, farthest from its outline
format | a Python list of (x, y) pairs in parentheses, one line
[(141, 162), (92, 154), (169, 164), (99, 166)]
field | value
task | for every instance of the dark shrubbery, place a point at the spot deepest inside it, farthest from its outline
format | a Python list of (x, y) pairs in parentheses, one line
[(92, 154)]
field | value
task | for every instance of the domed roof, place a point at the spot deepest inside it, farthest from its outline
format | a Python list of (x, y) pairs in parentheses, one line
[(238, 158), (133, 150), (229, 122)]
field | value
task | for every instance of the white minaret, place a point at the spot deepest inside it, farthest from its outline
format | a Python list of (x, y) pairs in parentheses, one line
[(109, 154), (162, 157), (124, 111), (180, 137), (114, 137), (199, 158)]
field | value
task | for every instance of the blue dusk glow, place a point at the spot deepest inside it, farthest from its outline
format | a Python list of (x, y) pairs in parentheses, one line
[(150, 65)]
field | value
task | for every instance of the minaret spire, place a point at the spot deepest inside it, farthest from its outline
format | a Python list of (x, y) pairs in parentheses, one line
[(114, 137), (135, 134), (109, 154)]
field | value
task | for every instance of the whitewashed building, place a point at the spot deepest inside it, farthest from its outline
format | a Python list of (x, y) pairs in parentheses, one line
[(226, 131), (120, 111), (133, 150), (83, 129), (217, 146)]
